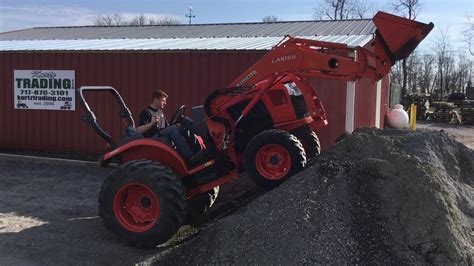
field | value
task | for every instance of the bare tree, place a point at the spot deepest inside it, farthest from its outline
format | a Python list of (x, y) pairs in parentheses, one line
[(409, 9), (427, 75), (468, 33), (413, 64), (450, 74), (139, 20), (164, 21), (270, 18), (343, 9), (463, 72), (444, 62), (116, 19), (334, 10), (396, 74), (364, 9)]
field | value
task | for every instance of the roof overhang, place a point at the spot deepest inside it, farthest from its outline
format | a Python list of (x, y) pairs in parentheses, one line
[(172, 44)]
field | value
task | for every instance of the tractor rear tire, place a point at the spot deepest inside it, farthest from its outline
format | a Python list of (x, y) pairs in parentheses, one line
[(143, 202), (310, 141), (272, 157)]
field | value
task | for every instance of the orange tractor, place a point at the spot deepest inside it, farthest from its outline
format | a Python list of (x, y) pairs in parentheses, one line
[(264, 123)]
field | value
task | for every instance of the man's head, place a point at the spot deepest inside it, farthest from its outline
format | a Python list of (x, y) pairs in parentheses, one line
[(159, 99)]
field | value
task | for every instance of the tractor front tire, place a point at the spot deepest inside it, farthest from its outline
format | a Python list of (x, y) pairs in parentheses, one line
[(310, 141), (272, 157), (143, 202)]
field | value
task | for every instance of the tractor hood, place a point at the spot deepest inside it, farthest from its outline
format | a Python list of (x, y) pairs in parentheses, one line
[(398, 35)]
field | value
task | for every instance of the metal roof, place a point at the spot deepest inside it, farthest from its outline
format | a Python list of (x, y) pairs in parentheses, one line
[(255, 43), (260, 29), (237, 36)]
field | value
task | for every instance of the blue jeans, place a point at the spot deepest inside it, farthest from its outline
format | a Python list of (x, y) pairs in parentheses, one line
[(174, 134)]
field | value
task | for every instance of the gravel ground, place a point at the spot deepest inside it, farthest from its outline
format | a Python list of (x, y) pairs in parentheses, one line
[(48, 215), (462, 133), (377, 197)]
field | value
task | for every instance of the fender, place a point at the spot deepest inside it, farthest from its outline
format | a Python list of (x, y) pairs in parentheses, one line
[(150, 150)]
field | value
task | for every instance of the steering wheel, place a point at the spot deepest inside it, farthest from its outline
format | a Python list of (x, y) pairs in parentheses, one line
[(178, 115)]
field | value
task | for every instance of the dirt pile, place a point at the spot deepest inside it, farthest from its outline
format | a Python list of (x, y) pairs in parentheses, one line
[(378, 196)]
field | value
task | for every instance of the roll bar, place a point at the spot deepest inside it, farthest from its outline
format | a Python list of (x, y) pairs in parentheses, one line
[(90, 117)]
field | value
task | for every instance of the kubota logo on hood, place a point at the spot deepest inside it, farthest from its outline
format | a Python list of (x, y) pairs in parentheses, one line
[(284, 58)]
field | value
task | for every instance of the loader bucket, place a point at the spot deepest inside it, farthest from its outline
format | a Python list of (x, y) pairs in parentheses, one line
[(400, 35)]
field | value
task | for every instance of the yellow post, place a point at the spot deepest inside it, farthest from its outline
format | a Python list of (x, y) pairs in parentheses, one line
[(413, 117)]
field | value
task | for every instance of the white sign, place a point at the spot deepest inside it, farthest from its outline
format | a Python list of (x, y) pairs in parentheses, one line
[(44, 89)]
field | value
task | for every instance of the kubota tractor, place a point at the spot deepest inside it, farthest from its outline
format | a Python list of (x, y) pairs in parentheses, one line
[(264, 123)]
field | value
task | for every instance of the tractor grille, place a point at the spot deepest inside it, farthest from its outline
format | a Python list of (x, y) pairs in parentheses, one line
[(301, 110), (257, 120)]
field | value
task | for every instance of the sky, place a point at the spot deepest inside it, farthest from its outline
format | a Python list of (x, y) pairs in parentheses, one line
[(447, 15)]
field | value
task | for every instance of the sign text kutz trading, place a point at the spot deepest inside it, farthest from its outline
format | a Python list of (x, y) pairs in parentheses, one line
[(41, 89)]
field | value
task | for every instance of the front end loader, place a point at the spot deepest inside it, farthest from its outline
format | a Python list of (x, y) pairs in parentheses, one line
[(263, 124)]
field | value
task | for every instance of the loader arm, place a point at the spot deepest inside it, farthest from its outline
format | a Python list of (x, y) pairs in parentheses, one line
[(305, 57), (395, 39)]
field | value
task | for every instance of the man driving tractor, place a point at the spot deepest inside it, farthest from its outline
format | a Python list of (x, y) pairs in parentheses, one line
[(153, 124)]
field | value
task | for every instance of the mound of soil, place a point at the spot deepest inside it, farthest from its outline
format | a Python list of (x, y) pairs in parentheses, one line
[(377, 196)]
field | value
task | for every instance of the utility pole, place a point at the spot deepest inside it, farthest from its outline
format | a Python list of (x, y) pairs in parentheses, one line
[(190, 16)]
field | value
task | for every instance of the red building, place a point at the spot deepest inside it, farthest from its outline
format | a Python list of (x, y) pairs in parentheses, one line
[(187, 61)]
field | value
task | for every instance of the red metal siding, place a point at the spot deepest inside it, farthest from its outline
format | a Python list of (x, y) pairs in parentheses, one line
[(187, 76), (333, 96), (6, 101)]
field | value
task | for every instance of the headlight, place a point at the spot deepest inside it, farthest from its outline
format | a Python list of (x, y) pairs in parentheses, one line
[(293, 90)]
